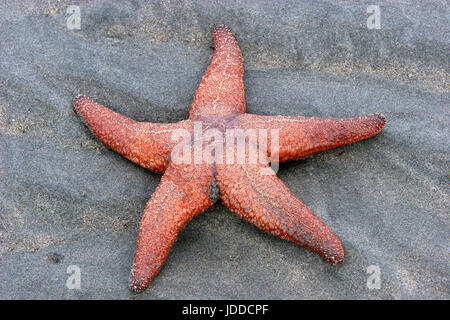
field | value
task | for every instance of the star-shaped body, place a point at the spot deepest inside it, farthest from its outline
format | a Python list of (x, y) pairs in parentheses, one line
[(195, 176)]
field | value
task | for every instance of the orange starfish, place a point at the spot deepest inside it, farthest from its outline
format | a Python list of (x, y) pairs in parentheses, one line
[(195, 175)]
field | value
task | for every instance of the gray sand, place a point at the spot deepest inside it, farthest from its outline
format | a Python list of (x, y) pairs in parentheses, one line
[(65, 199)]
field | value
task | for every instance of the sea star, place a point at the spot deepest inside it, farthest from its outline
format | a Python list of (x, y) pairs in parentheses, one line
[(250, 189)]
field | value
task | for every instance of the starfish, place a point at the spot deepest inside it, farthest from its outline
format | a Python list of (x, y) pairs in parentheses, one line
[(194, 180)]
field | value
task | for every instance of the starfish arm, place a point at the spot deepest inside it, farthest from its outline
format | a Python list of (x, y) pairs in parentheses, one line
[(146, 144), (221, 90), (300, 137), (267, 203), (184, 191)]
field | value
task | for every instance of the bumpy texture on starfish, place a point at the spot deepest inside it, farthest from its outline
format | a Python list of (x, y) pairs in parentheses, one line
[(187, 189)]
